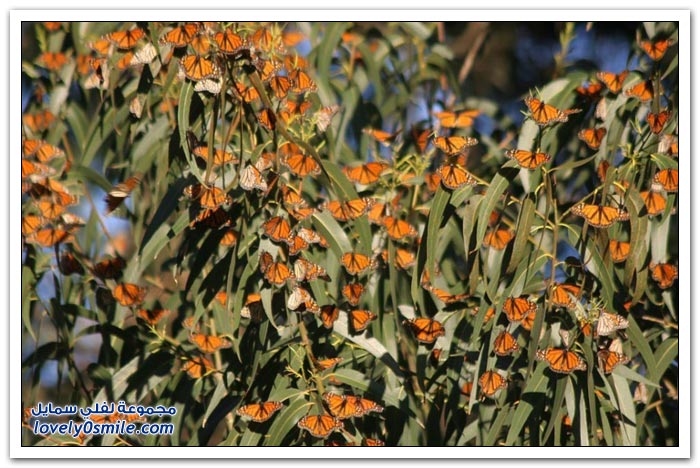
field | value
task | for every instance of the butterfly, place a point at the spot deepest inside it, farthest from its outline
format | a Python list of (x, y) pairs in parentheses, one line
[(591, 91), (296, 244), (505, 344), (277, 229), (302, 82), (352, 292), (348, 406), (609, 323), (562, 294), (356, 263), (498, 239), (491, 382), (267, 118), (209, 343), (324, 116), (367, 173), (110, 268), (376, 213), (667, 179), (403, 258), (246, 93), (613, 81), (129, 294), (426, 330), (274, 272), (528, 159), (360, 320), (598, 215), (197, 367), (516, 308), (215, 219), (305, 270), (324, 364), (457, 119), (592, 137), (446, 296), (656, 49), (328, 315), (36, 171), (197, 68), (126, 39), (528, 321), (561, 360), (665, 274), (259, 412), (69, 265), (658, 121), (280, 86), (643, 91), (609, 360), (420, 138), (220, 158), (180, 36), (230, 43), (32, 223), (119, 192), (399, 229), (253, 307), (432, 181), (48, 237), (320, 425), (311, 237), (251, 178), (372, 443), (668, 144), (544, 114), (619, 251), (299, 163), (454, 176), (385, 138), (39, 121), (455, 144), (49, 209), (152, 316), (348, 210), (655, 202), (52, 61)]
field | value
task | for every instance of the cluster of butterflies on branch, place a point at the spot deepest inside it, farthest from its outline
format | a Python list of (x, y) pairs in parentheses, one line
[(254, 70)]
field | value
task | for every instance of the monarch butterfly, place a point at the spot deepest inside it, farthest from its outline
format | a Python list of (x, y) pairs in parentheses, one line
[(299, 163), (129, 294), (528, 321), (403, 258), (292, 38), (491, 382), (301, 81), (229, 238), (125, 39), (655, 202), (324, 364), (399, 229), (48, 237), (253, 308), (189, 323), (296, 244), (32, 223), (197, 68), (643, 91), (267, 118), (251, 178), (613, 81), (658, 121), (69, 265), (544, 114), (52, 61), (36, 171), (466, 389), (505, 344), (215, 219), (376, 213), (348, 406), (367, 173), (598, 215), (280, 85), (420, 137), (609, 323), (356, 263), (277, 229), (348, 210), (498, 239), (528, 159), (385, 138), (609, 360), (352, 292), (310, 236), (592, 137), (274, 272), (220, 158), (665, 274), (455, 144), (457, 119), (180, 36), (328, 315), (590, 91), (561, 360), (426, 330), (360, 320), (305, 270), (516, 308), (209, 343), (667, 179), (447, 297), (197, 367), (152, 316), (432, 181), (656, 49), (39, 121), (119, 192), (259, 412), (562, 294), (230, 43), (454, 176), (373, 443), (49, 209), (320, 425), (246, 93), (110, 268)]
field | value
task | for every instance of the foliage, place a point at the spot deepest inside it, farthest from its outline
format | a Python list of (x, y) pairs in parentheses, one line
[(200, 144)]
